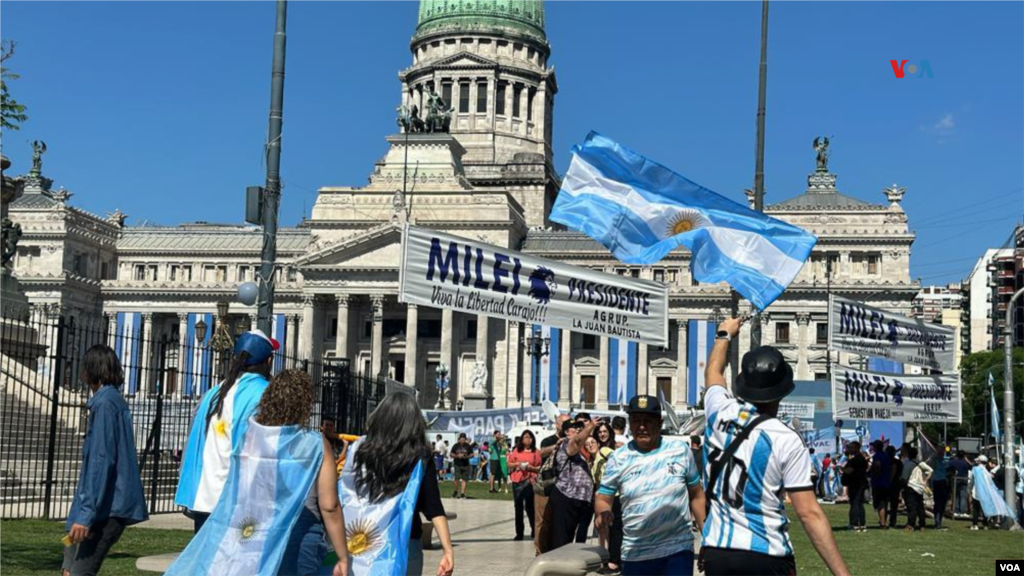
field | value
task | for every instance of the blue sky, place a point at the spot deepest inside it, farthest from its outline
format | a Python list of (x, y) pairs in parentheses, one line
[(159, 108)]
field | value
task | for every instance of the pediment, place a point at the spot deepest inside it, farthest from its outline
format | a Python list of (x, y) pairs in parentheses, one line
[(465, 59), (587, 361), (380, 246), (664, 363)]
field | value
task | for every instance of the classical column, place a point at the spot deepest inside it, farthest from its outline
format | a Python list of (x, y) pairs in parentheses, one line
[(483, 354), (341, 343), (682, 369), (447, 324), (802, 371), (524, 100), (565, 369), (642, 369), (412, 319), (306, 333), (183, 347), (147, 353), (377, 343), (292, 339), (603, 386), (112, 329), (513, 350)]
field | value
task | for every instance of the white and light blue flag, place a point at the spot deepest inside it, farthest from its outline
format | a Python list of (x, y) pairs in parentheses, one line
[(994, 413), (272, 471), (377, 533), (641, 210)]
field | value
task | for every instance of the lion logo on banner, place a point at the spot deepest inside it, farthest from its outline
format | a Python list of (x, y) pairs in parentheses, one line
[(542, 284)]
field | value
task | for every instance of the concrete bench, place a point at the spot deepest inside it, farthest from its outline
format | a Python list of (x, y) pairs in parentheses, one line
[(569, 560), (428, 530)]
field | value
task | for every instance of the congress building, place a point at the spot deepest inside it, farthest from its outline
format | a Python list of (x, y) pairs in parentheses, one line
[(484, 171)]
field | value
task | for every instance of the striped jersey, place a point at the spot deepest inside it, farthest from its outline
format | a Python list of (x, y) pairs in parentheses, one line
[(654, 489), (747, 511)]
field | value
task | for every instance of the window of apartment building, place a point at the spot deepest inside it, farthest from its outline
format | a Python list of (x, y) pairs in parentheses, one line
[(139, 272), (481, 97), (782, 332), (517, 92), (822, 332), (499, 98), (874, 264), (659, 275), (588, 342), (673, 276), (152, 272), (463, 97), (530, 95)]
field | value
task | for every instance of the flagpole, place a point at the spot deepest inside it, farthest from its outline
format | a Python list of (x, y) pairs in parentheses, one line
[(762, 82)]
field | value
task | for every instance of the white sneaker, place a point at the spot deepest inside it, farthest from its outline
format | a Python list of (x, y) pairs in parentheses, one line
[(975, 528)]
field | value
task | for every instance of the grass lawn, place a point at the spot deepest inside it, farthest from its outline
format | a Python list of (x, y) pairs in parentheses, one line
[(476, 490), (31, 547)]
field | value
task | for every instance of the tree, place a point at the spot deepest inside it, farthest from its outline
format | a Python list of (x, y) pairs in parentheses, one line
[(974, 371), (12, 114)]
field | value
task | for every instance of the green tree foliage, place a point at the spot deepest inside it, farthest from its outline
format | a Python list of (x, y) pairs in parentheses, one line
[(974, 371), (12, 114)]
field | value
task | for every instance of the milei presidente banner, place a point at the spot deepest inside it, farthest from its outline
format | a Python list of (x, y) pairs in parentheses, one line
[(863, 395), (446, 271), (868, 331)]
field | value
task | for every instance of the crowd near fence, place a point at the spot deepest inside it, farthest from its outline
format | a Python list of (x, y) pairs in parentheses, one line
[(44, 413)]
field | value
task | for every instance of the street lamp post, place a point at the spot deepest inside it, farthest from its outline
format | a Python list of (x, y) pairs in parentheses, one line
[(1008, 407), (222, 342), (537, 347)]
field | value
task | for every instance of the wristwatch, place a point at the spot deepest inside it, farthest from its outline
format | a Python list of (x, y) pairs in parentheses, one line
[(723, 335)]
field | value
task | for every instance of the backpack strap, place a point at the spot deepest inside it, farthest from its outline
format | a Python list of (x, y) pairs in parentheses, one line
[(718, 461)]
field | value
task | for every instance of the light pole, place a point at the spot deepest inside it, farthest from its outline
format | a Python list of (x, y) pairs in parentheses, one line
[(537, 346), (1008, 416), (272, 193), (762, 89)]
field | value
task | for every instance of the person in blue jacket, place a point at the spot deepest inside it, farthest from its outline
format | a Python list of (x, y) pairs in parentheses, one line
[(109, 495), (220, 424)]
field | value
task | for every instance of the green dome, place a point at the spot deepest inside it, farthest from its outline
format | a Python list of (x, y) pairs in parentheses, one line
[(520, 18)]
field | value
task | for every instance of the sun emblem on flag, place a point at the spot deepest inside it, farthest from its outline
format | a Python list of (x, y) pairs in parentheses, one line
[(247, 528), (220, 426), (362, 536), (686, 220)]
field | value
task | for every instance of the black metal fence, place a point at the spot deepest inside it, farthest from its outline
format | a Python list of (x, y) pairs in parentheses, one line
[(44, 414)]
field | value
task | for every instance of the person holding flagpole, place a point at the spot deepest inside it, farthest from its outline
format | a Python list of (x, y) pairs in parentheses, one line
[(220, 424)]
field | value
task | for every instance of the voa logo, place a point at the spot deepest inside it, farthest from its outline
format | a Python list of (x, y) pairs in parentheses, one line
[(900, 68), (1009, 566)]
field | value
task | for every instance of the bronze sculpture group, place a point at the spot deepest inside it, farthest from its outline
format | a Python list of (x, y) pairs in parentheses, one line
[(439, 116)]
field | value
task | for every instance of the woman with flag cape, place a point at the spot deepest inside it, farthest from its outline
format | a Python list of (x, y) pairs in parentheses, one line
[(280, 495), (220, 424), (389, 479), (988, 502)]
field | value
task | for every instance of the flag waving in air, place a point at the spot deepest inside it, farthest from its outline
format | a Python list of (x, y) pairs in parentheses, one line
[(641, 210)]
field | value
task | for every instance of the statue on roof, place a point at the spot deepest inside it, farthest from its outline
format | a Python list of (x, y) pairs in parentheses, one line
[(117, 217), (409, 119), (439, 115), (821, 147), (38, 149)]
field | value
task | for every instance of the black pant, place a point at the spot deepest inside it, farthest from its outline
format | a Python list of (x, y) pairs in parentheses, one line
[(198, 519), (571, 519), (523, 497), (86, 558), (615, 533), (977, 513), (894, 501), (729, 562), (940, 489), (915, 507), (857, 517)]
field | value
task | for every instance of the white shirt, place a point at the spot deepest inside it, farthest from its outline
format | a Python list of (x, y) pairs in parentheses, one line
[(747, 512), (916, 481), (439, 447)]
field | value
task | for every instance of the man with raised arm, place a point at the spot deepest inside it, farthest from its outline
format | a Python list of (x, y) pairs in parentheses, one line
[(753, 458)]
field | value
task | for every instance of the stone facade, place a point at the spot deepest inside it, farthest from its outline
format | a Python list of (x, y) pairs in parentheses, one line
[(491, 179)]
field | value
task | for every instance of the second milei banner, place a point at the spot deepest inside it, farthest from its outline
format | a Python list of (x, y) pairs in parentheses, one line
[(863, 395), (869, 331), (445, 271)]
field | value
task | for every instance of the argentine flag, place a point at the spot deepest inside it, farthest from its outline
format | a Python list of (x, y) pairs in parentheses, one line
[(272, 472), (377, 533), (641, 210)]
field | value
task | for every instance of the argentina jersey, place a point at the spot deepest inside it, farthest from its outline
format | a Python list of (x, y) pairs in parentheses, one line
[(747, 512)]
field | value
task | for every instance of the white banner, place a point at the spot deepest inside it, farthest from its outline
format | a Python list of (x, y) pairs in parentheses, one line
[(868, 331), (863, 395), (446, 271), (801, 410)]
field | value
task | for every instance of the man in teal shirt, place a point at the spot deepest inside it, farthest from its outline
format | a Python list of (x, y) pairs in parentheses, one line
[(496, 453)]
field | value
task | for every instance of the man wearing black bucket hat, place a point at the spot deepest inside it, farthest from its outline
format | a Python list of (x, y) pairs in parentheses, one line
[(752, 459)]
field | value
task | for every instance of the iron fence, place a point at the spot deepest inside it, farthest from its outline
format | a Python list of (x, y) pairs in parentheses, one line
[(44, 414)]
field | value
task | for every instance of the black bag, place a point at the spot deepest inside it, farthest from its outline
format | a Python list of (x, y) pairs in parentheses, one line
[(548, 475), (719, 459)]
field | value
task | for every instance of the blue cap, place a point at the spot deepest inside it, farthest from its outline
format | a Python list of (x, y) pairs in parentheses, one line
[(257, 344)]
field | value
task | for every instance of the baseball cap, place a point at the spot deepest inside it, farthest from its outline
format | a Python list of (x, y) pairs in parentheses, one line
[(643, 404), (983, 459), (765, 376), (257, 344)]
